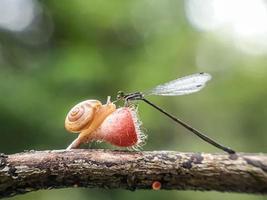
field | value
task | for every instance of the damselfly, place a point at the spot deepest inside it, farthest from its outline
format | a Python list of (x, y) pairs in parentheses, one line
[(181, 86)]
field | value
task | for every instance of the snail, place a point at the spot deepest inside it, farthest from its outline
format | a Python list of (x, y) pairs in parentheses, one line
[(97, 122)]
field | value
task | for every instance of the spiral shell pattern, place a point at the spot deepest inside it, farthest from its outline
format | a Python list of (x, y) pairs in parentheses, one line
[(81, 115)]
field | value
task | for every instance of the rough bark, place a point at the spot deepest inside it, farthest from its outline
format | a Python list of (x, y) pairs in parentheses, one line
[(34, 170)]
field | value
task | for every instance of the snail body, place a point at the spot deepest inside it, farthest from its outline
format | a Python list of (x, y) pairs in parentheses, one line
[(95, 121)]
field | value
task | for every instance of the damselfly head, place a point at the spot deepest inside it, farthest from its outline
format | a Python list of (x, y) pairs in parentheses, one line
[(120, 94)]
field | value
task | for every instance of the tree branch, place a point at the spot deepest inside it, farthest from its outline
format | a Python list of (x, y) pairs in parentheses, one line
[(33, 170)]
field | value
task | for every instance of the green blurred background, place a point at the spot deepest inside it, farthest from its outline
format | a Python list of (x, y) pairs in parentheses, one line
[(54, 54)]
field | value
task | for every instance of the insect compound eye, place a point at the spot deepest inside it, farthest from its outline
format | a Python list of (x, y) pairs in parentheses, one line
[(120, 94)]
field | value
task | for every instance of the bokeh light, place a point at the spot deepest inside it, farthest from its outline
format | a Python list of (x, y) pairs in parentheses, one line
[(26, 21), (244, 22), (16, 15)]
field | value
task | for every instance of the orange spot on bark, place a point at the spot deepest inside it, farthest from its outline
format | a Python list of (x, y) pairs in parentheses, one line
[(156, 185)]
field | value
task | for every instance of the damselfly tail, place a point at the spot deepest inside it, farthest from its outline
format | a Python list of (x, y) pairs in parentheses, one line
[(190, 128)]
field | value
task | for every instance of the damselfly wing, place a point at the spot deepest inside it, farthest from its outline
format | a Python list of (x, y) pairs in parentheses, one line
[(181, 86)]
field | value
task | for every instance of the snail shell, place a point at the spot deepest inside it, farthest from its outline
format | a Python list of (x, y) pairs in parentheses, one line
[(81, 115)]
